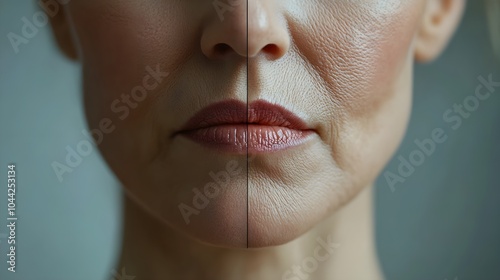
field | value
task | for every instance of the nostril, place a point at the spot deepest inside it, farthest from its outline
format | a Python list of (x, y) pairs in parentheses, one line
[(221, 49), (271, 48)]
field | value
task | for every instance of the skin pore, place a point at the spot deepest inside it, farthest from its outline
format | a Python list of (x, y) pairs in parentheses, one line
[(343, 66)]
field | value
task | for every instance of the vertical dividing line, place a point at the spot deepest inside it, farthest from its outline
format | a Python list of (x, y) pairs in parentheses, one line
[(248, 135)]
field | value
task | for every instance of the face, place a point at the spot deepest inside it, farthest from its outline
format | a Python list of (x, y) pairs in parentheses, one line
[(238, 143)]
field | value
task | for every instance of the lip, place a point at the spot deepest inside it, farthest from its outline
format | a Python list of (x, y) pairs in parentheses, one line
[(232, 126)]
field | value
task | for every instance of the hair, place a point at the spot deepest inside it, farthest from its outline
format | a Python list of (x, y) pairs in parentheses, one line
[(493, 14)]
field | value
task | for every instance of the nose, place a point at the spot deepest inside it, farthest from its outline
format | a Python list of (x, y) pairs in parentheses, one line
[(248, 28)]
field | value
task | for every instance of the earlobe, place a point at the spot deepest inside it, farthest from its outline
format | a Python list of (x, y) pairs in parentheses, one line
[(62, 34), (439, 22)]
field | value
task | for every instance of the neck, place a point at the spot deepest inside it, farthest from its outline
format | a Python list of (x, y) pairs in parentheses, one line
[(341, 247)]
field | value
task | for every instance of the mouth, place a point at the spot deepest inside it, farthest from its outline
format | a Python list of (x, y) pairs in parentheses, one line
[(232, 126)]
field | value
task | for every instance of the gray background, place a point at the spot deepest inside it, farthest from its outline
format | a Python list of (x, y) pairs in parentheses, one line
[(441, 223)]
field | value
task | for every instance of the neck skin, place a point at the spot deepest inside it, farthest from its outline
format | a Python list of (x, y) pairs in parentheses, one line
[(153, 251)]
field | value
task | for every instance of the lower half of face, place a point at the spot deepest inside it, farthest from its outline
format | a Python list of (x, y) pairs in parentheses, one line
[(319, 123)]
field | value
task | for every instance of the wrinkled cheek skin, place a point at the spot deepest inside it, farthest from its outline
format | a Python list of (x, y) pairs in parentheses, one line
[(361, 51), (360, 57)]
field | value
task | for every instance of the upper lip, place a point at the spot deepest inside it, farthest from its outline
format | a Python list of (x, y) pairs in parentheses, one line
[(234, 112)]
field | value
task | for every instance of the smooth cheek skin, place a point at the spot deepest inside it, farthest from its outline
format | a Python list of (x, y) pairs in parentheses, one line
[(157, 171), (348, 72)]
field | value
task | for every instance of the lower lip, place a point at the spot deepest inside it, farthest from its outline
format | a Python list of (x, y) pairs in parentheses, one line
[(261, 139)]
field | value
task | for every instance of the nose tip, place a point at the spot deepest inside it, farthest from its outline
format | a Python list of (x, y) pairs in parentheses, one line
[(246, 33)]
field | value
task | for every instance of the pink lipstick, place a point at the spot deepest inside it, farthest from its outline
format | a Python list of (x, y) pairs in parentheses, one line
[(228, 126)]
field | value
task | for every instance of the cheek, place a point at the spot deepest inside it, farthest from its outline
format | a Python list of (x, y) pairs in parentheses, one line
[(361, 56), (119, 39), (357, 49)]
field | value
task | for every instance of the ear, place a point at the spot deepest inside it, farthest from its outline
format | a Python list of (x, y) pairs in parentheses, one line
[(440, 20), (62, 34)]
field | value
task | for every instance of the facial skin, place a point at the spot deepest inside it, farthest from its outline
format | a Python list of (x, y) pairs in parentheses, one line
[(343, 66)]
